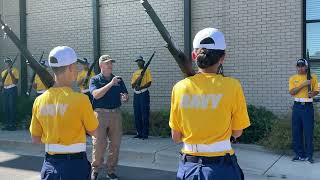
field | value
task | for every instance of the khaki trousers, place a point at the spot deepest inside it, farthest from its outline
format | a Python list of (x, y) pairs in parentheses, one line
[(109, 134)]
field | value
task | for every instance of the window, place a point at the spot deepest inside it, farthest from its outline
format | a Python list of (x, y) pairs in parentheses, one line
[(312, 29)]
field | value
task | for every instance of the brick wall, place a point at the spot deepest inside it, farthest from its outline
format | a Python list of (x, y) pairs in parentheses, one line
[(264, 38)]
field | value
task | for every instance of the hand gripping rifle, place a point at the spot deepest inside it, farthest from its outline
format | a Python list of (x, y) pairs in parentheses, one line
[(7, 72), (33, 77), (183, 61), (308, 71), (44, 75), (139, 80)]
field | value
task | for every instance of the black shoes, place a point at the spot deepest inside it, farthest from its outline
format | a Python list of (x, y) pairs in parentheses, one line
[(310, 160), (137, 136), (94, 175), (112, 176), (297, 158)]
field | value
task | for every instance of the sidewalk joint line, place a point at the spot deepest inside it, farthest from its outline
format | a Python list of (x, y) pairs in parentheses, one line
[(264, 173)]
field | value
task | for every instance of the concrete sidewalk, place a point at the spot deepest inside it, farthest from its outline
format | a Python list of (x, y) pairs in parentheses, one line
[(163, 154)]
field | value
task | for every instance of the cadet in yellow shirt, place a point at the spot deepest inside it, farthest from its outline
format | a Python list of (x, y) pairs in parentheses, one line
[(60, 120), (38, 84), (141, 99), (84, 88), (206, 110), (10, 78), (303, 112)]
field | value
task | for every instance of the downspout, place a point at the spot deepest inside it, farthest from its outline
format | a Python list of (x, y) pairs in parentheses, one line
[(23, 38), (187, 28), (96, 31)]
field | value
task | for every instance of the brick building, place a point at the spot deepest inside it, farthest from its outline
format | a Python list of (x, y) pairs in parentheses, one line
[(264, 38)]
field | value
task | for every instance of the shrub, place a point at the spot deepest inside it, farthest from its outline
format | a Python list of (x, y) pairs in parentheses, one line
[(261, 123), (280, 138)]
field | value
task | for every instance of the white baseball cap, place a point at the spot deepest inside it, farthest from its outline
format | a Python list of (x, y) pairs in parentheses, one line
[(62, 56), (209, 38)]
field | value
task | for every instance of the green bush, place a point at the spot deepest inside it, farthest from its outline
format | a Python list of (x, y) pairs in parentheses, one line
[(280, 138), (158, 126), (261, 123)]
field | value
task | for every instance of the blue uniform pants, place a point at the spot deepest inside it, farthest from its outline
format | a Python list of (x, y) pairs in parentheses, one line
[(224, 168), (302, 129), (66, 167), (141, 105), (9, 105)]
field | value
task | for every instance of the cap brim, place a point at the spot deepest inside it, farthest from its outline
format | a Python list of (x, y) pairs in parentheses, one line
[(139, 60)]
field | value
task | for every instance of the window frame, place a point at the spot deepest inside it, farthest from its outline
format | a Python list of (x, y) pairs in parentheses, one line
[(305, 22)]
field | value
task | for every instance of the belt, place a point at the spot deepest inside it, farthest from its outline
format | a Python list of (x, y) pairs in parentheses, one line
[(303, 99), (215, 147), (41, 91), (303, 103), (107, 110), (205, 159), (85, 90), (80, 155), (10, 86), (58, 148), (141, 91)]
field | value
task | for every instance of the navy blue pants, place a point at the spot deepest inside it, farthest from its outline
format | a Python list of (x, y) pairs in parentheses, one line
[(302, 129), (225, 168), (66, 167), (141, 105), (9, 105)]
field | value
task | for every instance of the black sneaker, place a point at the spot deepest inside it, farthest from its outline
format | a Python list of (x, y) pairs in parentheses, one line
[(310, 160), (112, 176), (94, 175), (297, 158), (137, 136)]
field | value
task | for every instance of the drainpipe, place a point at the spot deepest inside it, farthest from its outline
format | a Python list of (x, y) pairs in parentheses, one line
[(96, 32), (23, 38), (187, 28)]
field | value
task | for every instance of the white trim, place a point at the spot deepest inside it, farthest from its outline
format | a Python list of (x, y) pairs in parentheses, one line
[(58, 148), (141, 91), (85, 90), (41, 91), (10, 86), (215, 147), (303, 99)]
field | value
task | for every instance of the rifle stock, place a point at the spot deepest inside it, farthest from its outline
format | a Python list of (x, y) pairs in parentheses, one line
[(44, 75), (138, 83), (185, 64), (33, 77), (6, 74)]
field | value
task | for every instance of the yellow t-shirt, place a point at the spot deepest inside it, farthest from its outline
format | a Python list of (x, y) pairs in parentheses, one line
[(146, 78), (40, 85), (297, 79), (62, 116), (205, 108), (82, 75), (8, 80)]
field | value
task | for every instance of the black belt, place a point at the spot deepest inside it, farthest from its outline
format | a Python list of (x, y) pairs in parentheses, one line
[(80, 155), (303, 103), (205, 159)]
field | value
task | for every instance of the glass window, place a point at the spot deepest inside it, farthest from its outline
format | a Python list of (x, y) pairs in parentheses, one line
[(313, 9), (313, 40)]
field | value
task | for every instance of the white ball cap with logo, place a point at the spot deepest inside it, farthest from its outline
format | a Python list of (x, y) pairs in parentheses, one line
[(209, 38), (62, 56)]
